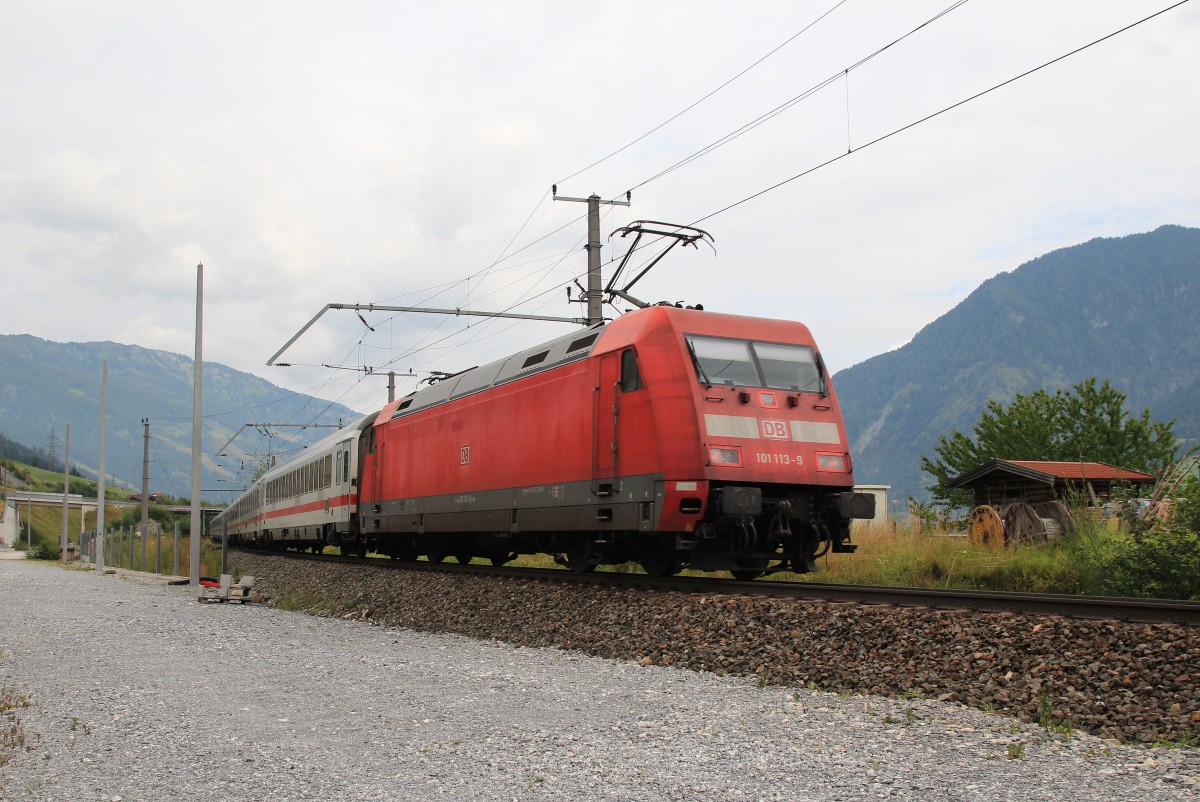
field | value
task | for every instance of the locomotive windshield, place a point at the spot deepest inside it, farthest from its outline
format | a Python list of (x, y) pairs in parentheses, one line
[(747, 363)]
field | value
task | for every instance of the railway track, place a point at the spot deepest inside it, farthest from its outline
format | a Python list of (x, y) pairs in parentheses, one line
[(1152, 611)]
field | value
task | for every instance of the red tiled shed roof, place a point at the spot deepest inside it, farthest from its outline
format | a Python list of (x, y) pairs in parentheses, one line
[(1050, 473), (1083, 470)]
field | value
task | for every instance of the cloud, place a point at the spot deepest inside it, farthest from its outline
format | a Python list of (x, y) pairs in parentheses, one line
[(387, 152)]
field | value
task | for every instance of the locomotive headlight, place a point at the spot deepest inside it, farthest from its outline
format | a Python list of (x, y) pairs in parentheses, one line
[(725, 455), (831, 462)]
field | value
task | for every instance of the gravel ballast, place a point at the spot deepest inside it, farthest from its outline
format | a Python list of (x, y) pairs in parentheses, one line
[(135, 691), (1132, 682)]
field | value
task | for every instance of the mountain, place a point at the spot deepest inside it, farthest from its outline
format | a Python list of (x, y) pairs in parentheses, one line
[(46, 385), (1123, 309)]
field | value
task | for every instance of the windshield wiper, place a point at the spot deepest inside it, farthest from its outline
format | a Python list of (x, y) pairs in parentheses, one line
[(696, 362), (824, 385)]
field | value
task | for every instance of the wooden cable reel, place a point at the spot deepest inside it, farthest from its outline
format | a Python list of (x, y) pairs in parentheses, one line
[(1022, 525), (986, 527), (1018, 523), (1056, 518)]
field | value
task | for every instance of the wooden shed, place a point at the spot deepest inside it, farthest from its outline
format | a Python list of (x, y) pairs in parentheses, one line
[(1018, 501), (1003, 481)]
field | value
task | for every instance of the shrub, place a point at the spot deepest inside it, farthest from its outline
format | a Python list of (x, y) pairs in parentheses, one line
[(42, 551), (1163, 563), (1155, 558)]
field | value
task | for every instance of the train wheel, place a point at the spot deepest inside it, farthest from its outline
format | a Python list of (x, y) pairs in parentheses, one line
[(746, 574), (502, 559), (401, 547), (658, 558), (463, 557), (578, 560)]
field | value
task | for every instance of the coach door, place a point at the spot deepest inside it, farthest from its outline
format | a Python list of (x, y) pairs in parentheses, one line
[(340, 493)]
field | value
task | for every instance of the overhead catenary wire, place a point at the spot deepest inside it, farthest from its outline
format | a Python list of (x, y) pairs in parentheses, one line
[(483, 272), (751, 125), (940, 112), (745, 128), (844, 74), (679, 114), (505, 254)]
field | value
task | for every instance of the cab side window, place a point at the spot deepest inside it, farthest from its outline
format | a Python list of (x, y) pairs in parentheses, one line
[(631, 377)]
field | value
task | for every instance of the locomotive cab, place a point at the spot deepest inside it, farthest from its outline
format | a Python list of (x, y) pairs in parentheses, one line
[(736, 424), (780, 473)]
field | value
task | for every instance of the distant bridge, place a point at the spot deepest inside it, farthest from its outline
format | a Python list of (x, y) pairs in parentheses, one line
[(75, 501)]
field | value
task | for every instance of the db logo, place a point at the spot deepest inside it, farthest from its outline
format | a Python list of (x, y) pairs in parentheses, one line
[(464, 455), (774, 429)]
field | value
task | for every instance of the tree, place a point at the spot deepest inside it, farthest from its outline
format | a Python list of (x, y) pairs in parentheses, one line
[(1088, 423)]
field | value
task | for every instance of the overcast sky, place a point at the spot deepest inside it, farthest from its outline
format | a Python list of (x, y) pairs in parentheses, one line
[(403, 153)]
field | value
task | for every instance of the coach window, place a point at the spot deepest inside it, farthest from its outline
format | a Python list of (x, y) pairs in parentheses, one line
[(346, 467), (631, 377)]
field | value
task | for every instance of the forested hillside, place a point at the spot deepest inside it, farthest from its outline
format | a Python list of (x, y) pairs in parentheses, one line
[(45, 385), (1121, 309)]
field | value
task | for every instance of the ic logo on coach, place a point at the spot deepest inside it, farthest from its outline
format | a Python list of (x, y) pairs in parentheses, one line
[(464, 455), (774, 429)]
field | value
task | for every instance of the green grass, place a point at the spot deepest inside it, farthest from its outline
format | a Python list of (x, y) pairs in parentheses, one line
[(1185, 742), (906, 557)]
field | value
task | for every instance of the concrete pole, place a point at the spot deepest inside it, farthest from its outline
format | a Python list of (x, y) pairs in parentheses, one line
[(176, 572), (595, 310), (145, 487), (100, 482), (197, 524), (66, 491), (595, 291)]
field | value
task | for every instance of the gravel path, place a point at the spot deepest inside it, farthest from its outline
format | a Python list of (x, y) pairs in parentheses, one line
[(136, 692)]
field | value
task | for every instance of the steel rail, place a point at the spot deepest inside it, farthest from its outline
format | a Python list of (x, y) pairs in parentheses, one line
[(1109, 608)]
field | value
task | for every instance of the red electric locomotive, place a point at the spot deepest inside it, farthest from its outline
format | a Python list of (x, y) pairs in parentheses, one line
[(672, 437)]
